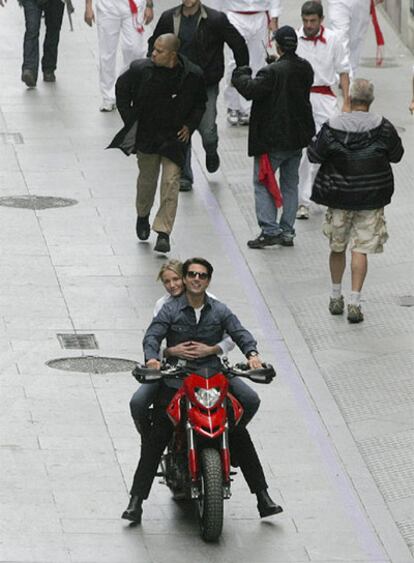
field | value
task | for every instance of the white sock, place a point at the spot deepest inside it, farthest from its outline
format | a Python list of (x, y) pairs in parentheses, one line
[(336, 290), (355, 298)]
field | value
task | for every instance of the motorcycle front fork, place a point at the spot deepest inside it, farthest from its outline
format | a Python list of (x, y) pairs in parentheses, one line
[(194, 465)]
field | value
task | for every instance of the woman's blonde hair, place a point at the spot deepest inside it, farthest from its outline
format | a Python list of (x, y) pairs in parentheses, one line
[(173, 265)]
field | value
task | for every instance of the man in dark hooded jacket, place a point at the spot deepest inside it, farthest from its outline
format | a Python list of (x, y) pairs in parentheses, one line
[(161, 101), (355, 181)]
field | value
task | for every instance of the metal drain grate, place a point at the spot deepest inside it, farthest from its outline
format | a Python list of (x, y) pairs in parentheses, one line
[(36, 202), (78, 341), (11, 138), (92, 364)]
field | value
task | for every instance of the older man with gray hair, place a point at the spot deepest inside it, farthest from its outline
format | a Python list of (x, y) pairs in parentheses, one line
[(355, 181)]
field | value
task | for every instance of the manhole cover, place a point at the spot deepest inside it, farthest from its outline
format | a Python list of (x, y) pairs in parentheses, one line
[(11, 138), (36, 201), (92, 364), (78, 341), (371, 62), (406, 300)]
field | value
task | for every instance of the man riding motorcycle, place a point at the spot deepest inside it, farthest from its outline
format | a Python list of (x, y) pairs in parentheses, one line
[(171, 276), (189, 321)]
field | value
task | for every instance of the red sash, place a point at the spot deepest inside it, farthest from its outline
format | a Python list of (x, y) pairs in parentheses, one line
[(134, 11), (378, 33), (325, 90)]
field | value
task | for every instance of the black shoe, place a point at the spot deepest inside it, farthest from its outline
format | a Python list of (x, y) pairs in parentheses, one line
[(143, 228), (49, 76), (185, 186), (29, 78), (285, 240), (212, 162), (133, 513), (264, 240), (265, 505), (163, 243)]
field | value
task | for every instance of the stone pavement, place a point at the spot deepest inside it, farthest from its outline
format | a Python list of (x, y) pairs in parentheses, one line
[(335, 431)]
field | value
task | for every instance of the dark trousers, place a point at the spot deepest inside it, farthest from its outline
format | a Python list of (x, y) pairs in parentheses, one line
[(207, 129), (53, 11), (155, 442)]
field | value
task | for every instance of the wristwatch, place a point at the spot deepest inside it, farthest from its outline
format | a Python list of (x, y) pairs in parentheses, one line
[(252, 354)]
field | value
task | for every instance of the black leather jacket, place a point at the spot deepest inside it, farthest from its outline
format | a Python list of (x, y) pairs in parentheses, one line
[(281, 115), (213, 31), (154, 107)]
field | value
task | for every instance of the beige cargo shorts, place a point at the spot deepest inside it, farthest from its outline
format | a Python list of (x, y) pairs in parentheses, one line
[(365, 230)]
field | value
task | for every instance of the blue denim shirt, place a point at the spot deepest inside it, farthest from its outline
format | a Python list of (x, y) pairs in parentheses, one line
[(177, 322)]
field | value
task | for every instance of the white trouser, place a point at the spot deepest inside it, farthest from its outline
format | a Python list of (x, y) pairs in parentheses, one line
[(114, 19), (254, 29), (350, 18), (323, 107)]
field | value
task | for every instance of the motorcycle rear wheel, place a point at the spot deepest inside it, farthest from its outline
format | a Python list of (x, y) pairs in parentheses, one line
[(210, 503)]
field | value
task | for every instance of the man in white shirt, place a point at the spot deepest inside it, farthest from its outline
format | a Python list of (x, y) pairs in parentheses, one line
[(325, 51), (125, 19), (253, 19), (350, 19)]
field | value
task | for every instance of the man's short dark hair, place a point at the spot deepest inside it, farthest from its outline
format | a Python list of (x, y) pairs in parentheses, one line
[(201, 262), (312, 8)]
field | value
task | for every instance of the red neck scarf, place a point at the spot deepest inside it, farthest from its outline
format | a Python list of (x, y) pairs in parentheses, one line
[(316, 38)]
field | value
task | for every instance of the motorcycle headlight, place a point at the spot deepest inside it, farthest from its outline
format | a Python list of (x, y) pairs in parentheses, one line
[(207, 397)]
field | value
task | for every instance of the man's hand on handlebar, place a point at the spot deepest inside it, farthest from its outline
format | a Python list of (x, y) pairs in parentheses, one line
[(153, 364), (254, 362)]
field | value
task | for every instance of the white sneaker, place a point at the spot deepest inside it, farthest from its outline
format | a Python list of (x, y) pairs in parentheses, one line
[(107, 106), (302, 212), (233, 116), (244, 118)]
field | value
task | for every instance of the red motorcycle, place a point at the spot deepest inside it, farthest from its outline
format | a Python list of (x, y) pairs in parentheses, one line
[(196, 465)]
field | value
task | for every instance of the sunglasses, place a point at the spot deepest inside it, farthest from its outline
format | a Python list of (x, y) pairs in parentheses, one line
[(201, 275)]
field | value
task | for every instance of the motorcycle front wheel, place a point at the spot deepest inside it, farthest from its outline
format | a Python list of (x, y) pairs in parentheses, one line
[(210, 503)]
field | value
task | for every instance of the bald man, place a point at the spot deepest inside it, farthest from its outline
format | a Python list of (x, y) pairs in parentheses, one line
[(161, 101)]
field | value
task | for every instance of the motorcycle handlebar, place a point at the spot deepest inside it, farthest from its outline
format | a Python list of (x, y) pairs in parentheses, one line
[(264, 375)]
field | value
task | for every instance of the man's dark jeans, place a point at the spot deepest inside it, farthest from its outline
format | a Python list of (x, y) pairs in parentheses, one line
[(207, 130), (53, 11)]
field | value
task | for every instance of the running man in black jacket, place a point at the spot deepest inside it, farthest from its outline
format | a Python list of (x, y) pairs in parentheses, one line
[(203, 32), (161, 101)]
